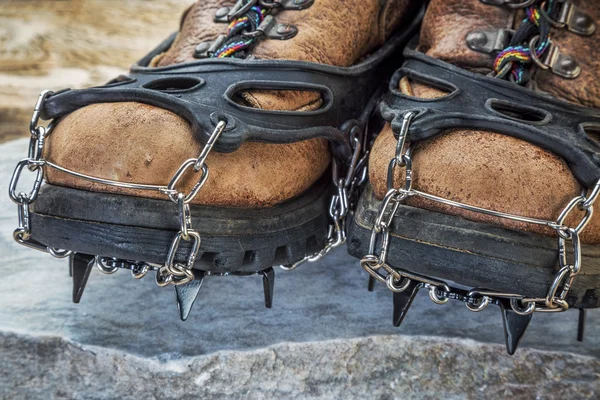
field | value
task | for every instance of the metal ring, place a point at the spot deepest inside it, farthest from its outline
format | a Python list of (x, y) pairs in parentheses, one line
[(58, 253), (485, 301), (533, 53), (560, 276), (12, 187), (522, 4), (366, 262), (185, 219), (592, 197), (516, 307), (404, 284), (433, 295), (163, 279), (179, 174), (139, 274), (380, 224), (578, 201), (562, 306), (105, 269), (37, 110), (552, 22)]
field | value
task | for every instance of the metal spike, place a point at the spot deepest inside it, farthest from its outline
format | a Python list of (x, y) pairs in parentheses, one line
[(80, 266), (581, 324), (515, 326), (371, 285), (186, 294), (403, 301), (268, 286)]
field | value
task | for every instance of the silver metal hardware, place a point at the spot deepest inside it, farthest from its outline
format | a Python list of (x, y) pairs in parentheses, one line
[(477, 299), (560, 64), (489, 41), (239, 9), (286, 4), (139, 269), (169, 273), (509, 3), (58, 253), (270, 28), (226, 14), (104, 267), (207, 49), (572, 18), (340, 202)]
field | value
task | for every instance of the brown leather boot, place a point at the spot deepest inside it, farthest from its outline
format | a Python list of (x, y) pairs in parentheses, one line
[(499, 146), (270, 96)]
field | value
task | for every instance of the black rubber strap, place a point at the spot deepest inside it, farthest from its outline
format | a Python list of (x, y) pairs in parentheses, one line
[(480, 102), (203, 92)]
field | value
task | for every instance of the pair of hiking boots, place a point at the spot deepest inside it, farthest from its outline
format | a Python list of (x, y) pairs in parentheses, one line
[(267, 132)]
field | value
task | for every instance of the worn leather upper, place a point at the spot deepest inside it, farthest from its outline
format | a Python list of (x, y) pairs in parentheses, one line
[(483, 168), (132, 142)]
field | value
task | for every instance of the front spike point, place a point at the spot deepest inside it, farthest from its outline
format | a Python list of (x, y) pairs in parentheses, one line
[(80, 266), (403, 300), (581, 324), (515, 326), (268, 286), (371, 285), (187, 294)]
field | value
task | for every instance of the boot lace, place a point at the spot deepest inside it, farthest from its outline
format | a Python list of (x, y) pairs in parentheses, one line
[(529, 43)]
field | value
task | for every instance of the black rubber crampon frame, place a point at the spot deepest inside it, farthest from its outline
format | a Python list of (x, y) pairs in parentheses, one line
[(204, 92), (476, 101), (474, 253)]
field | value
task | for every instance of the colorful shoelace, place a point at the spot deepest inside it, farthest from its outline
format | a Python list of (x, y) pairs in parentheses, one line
[(236, 43), (516, 58)]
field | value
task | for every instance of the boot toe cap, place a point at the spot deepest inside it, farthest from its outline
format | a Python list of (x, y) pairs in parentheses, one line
[(138, 143)]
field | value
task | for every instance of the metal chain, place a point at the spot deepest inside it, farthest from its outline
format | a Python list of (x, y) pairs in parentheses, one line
[(177, 273), (34, 162), (171, 272), (139, 269), (340, 203), (399, 280)]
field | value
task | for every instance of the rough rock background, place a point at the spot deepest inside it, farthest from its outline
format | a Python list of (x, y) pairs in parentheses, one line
[(53, 44), (326, 336)]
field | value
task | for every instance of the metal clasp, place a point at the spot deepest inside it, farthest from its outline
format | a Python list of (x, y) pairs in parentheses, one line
[(572, 18), (489, 41), (560, 64)]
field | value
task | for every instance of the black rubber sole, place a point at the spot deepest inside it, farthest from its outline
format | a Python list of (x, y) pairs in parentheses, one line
[(141, 229), (473, 254)]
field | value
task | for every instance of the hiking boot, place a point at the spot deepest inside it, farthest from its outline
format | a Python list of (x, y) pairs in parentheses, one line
[(270, 96), (483, 182)]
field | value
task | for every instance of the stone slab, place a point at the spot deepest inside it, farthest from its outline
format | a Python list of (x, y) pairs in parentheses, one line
[(326, 336), (72, 43)]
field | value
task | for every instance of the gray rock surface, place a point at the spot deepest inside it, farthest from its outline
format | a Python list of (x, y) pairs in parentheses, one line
[(326, 336)]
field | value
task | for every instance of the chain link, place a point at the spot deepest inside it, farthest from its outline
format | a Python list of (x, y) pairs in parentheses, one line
[(341, 201), (23, 200), (177, 273), (398, 280), (110, 265), (171, 272)]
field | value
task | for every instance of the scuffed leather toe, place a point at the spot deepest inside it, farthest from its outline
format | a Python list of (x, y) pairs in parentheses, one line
[(138, 143), (487, 170)]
